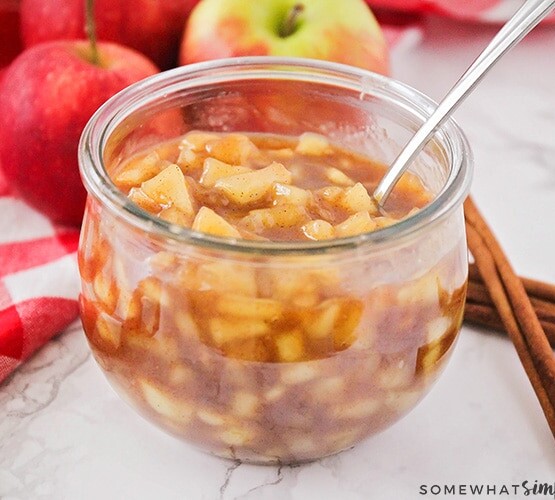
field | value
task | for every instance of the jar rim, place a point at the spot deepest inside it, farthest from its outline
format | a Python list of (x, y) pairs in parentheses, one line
[(122, 105)]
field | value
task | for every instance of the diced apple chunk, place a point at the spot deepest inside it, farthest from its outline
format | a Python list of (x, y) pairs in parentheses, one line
[(252, 186), (106, 291), (282, 216), (244, 404), (189, 161), (138, 170), (313, 144), (109, 330), (224, 277), (358, 223), (337, 177), (320, 322), (437, 328), (197, 140), (236, 436), (224, 330), (235, 149), (210, 417), (208, 221), (138, 196), (169, 188), (361, 409), (213, 170), (175, 216), (165, 404), (290, 195), (318, 229), (248, 307), (357, 199), (290, 346), (299, 373)]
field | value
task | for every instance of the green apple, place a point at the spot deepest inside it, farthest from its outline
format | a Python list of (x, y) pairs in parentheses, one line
[(343, 31)]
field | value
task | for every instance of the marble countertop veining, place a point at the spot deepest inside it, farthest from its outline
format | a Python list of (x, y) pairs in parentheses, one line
[(64, 434)]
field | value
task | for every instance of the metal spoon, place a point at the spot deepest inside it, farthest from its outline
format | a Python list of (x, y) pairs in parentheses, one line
[(516, 28)]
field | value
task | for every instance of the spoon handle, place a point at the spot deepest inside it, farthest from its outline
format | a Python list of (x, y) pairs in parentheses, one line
[(522, 22)]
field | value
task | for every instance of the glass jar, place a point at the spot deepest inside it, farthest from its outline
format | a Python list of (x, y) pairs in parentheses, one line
[(180, 322)]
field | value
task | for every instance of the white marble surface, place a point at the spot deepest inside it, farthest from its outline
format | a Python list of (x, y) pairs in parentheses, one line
[(64, 434)]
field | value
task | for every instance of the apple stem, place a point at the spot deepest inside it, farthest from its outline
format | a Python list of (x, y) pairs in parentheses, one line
[(90, 30), (290, 23)]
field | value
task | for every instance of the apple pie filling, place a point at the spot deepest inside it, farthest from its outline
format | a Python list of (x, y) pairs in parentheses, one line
[(266, 358)]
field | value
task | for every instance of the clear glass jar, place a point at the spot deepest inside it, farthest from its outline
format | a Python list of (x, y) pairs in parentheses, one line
[(175, 318)]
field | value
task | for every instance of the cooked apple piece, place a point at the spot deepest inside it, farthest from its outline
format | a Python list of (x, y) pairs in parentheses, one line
[(235, 149), (290, 346), (223, 277), (225, 330), (359, 223), (162, 402), (109, 330), (337, 177), (208, 221), (148, 298), (282, 216), (290, 195), (440, 335), (401, 401), (299, 288), (213, 170), (169, 188), (328, 389), (244, 404), (210, 417), (137, 170), (197, 140), (247, 307), (236, 436), (344, 333), (275, 393), (425, 290), (438, 328), (357, 199), (180, 374), (175, 216), (252, 186), (138, 196), (253, 349), (331, 194), (320, 321), (395, 374), (106, 291), (318, 229), (313, 144), (282, 153), (189, 161), (361, 409), (298, 373), (300, 446), (384, 222)]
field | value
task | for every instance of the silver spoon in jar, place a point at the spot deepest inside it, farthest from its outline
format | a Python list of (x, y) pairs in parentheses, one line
[(516, 28)]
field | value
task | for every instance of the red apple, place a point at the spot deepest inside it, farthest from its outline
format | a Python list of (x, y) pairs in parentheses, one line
[(152, 27), (343, 31), (47, 95), (10, 37)]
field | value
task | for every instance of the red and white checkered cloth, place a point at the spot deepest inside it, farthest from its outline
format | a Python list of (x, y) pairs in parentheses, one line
[(39, 280)]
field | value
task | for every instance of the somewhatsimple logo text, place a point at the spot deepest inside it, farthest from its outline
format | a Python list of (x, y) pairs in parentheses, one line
[(532, 489)]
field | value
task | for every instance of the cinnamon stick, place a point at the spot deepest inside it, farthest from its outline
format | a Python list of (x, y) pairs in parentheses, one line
[(478, 294), (534, 288), (486, 315), (514, 308)]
